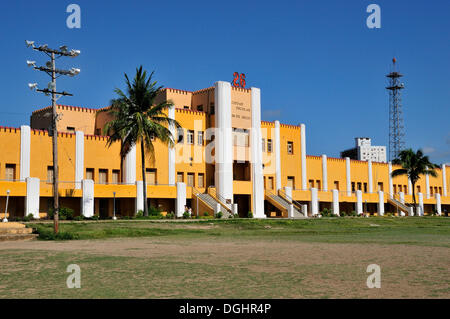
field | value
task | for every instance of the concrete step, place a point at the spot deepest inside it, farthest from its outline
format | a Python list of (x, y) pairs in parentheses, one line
[(11, 225), (16, 237), (4, 231)]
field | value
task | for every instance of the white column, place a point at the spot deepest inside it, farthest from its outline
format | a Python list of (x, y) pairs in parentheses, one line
[(410, 190), (369, 173), (217, 209), (87, 199), (438, 204), (359, 205), (402, 197), (420, 211), (277, 157), (256, 155), (171, 151), (139, 203), (380, 203), (324, 173), (288, 191), (129, 166), (303, 155), (348, 176), (223, 141), (335, 202), (180, 202), (427, 185), (79, 158), (25, 147), (305, 210), (391, 187), (32, 199), (444, 180), (291, 211), (234, 209), (314, 202)]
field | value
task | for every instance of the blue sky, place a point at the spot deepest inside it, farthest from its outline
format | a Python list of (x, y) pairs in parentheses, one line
[(316, 62)]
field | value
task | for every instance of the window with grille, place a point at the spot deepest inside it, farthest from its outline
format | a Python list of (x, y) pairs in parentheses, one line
[(190, 137), (269, 145), (200, 138), (10, 172), (201, 180), (50, 173), (180, 177), (190, 179), (103, 176), (116, 176), (90, 173), (290, 148), (150, 176)]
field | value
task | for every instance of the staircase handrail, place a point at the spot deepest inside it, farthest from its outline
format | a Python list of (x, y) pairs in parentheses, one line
[(218, 198)]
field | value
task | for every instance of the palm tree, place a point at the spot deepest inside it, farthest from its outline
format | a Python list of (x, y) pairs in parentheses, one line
[(138, 118), (413, 165)]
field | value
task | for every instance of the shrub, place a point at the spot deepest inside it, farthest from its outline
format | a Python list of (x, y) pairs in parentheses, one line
[(236, 216), (205, 214), (170, 215), (327, 213), (95, 217), (140, 213), (219, 215), (154, 211), (28, 218), (78, 218), (186, 215), (250, 215)]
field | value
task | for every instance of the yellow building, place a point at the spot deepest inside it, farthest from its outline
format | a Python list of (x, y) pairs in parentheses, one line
[(226, 159)]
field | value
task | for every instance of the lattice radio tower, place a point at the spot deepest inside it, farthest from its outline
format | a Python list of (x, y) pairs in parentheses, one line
[(396, 127)]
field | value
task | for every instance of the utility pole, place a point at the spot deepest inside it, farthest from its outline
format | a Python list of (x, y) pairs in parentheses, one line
[(52, 71)]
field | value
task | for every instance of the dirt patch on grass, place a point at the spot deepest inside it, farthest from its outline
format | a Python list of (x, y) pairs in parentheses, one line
[(258, 268)]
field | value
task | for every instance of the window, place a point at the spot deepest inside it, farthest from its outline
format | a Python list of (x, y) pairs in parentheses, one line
[(70, 129), (431, 190), (380, 187), (395, 189), (270, 182), (290, 148), (365, 187), (200, 107), (103, 176), (186, 107), (98, 131), (90, 173), (359, 186), (240, 137), (290, 182), (180, 177), (440, 191), (263, 142), (211, 108), (190, 179), (418, 188), (336, 185), (180, 135), (10, 172), (311, 183), (200, 138), (50, 173), (201, 180), (399, 188), (150, 176), (116, 176), (269, 145), (190, 137), (353, 187), (318, 184)]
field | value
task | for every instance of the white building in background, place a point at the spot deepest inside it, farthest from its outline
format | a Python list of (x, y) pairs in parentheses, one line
[(364, 151)]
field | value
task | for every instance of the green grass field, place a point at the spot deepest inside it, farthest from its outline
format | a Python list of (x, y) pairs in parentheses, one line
[(428, 231), (237, 258)]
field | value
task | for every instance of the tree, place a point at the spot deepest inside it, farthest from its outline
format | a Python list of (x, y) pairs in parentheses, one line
[(137, 117), (413, 165)]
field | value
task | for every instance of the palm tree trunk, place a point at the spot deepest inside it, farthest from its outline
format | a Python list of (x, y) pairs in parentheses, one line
[(143, 178)]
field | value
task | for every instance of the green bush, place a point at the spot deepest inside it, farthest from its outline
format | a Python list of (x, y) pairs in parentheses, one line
[(154, 211), (205, 214), (48, 234), (78, 218), (219, 215), (28, 218), (65, 213), (250, 215), (327, 213), (140, 213), (186, 215), (95, 217)]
